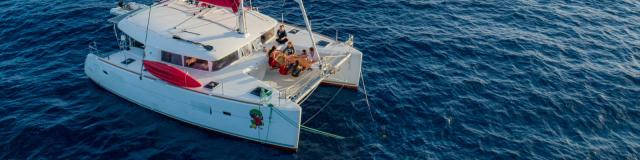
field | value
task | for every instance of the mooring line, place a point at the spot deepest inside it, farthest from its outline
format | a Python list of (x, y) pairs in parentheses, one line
[(366, 97), (323, 107), (305, 128)]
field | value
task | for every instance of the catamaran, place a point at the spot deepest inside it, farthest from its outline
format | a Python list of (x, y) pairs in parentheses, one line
[(208, 63)]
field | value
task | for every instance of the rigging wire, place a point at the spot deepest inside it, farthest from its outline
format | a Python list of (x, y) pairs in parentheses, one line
[(146, 36), (194, 15)]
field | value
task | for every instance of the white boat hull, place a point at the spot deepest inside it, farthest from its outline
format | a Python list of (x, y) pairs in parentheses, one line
[(216, 113)]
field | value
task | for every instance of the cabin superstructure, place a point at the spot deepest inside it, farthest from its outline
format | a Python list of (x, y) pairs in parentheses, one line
[(187, 29), (225, 50)]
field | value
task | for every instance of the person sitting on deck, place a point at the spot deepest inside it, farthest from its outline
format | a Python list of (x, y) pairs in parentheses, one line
[(273, 48), (272, 57), (283, 69), (282, 35), (312, 54), (289, 50), (304, 54), (280, 58), (306, 59), (297, 69), (284, 62), (292, 66)]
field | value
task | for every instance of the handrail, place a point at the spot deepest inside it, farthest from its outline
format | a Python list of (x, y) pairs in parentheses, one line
[(93, 49), (307, 81)]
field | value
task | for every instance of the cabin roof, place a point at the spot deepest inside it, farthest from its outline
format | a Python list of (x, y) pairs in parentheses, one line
[(215, 27)]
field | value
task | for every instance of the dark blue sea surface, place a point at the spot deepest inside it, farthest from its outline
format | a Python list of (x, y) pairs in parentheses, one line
[(446, 79)]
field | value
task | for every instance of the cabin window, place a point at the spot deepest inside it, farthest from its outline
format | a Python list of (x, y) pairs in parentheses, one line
[(219, 64), (172, 58), (268, 35), (196, 63)]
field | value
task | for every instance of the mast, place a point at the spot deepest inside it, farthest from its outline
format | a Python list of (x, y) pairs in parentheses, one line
[(308, 24), (242, 20)]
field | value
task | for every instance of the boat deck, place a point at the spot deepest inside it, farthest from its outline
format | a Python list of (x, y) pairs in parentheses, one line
[(252, 71), (290, 85)]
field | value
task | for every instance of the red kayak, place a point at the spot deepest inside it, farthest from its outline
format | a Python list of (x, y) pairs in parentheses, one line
[(171, 74)]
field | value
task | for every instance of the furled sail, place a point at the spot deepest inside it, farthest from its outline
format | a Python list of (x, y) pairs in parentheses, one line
[(233, 4)]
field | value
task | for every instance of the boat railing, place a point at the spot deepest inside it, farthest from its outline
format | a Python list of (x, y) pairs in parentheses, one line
[(307, 81), (93, 49)]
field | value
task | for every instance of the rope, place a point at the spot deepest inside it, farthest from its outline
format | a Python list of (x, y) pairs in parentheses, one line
[(305, 128), (285, 117), (366, 97), (270, 117), (323, 107), (194, 15)]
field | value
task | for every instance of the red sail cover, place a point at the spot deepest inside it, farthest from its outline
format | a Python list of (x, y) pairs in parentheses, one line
[(171, 74), (233, 4)]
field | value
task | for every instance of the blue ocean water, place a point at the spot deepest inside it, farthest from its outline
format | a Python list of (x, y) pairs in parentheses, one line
[(447, 79)]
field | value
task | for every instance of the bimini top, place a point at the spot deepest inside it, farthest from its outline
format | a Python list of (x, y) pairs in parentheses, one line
[(186, 29)]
